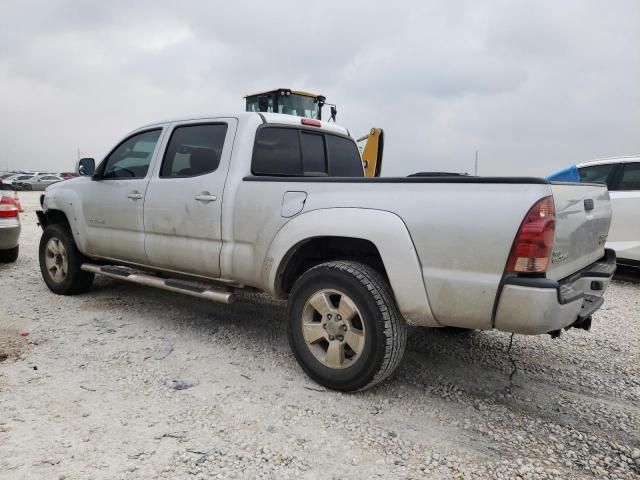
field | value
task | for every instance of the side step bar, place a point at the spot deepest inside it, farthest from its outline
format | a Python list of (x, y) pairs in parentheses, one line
[(171, 284)]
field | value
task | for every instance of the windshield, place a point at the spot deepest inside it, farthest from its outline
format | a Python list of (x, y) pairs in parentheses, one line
[(298, 105), (293, 104)]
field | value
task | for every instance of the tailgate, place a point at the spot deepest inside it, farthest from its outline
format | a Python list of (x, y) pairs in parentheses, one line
[(583, 215)]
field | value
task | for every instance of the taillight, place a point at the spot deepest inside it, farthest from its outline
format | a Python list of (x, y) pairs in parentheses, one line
[(8, 208), (531, 250)]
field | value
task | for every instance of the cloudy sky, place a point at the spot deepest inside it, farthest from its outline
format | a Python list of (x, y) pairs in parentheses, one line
[(532, 85)]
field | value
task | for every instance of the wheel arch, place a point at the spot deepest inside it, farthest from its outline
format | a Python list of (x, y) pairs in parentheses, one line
[(382, 235), (63, 206), (52, 216), (312, 251)]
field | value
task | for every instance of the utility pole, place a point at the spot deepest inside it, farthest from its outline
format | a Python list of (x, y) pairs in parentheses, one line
[(475, 170)]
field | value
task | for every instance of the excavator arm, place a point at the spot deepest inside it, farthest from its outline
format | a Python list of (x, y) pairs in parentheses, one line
[(372, 152)]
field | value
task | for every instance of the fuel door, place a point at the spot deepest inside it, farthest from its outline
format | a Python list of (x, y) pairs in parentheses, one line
[(293, 203)]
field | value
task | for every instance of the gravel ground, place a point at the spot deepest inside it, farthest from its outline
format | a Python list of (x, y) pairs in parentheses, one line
[(134, 383)]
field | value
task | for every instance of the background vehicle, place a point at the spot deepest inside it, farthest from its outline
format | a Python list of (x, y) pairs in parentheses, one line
[(14, 180), (9, 229), (280, 203), (622, 177), (37, 182), (3, 184)]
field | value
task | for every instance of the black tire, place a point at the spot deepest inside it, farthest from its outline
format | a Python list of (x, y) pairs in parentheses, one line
[(74, 280), (383, 327), (27, 187), (10, 255)]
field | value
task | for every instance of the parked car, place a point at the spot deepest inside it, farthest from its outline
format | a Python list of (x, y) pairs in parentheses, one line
[(9, 229), (38, 182), (3, 184), (14, 180), (68, 175), (622, 177), (280, 203)]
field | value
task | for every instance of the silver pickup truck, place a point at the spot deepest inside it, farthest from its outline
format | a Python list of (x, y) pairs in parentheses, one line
[(207, 206)]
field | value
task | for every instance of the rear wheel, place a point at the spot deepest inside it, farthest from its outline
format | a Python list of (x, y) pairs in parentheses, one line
[(10, 255), (344, 327), (60, 262)]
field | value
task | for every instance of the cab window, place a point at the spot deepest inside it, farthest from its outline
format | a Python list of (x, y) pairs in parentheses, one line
[(131, 159), (630, 179), (596, 173)]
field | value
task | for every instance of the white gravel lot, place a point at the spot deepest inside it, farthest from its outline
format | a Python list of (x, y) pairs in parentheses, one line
[(91, 393)]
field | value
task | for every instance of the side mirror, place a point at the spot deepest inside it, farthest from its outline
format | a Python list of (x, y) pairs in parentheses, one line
[(86, 167), (334, 112)]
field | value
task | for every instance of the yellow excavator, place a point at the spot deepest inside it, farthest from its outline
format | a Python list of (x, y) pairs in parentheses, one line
[(309, 105)]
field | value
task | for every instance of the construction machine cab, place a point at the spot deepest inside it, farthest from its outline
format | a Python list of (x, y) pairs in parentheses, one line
[(289, 102)]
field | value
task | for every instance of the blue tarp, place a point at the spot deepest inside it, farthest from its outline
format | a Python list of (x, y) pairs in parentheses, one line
[(569, 174)]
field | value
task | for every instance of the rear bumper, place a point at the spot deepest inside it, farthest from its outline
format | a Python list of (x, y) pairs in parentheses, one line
[(9, 233), (533, 306)]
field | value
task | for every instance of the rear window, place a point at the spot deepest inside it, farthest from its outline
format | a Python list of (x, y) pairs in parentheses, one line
[(314, 157), (281, 151)]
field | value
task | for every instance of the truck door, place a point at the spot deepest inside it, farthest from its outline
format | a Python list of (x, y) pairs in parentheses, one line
[(112, 204), (183, 204)]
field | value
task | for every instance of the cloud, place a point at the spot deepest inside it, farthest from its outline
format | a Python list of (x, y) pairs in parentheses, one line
[(532, 86)]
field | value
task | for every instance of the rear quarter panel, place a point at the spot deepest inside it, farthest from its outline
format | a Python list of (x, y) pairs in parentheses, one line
[(463, 234)]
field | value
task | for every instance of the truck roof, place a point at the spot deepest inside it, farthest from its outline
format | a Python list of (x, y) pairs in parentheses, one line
[(602, 161), (275, 118), (295, 92)]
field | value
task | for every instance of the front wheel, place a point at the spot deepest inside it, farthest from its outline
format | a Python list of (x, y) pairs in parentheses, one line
[(60, 262), (344, 326)]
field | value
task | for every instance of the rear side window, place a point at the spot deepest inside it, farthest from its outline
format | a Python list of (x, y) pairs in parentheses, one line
[(630, 179), (194, 150), (296, 152), (344, 158), (596, 173), (277, 152)]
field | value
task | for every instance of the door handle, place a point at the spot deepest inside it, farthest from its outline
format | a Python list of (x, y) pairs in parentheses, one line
[(206, 198), (135, 195)]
